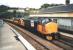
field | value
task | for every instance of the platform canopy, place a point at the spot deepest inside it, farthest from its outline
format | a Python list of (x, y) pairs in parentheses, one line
[(56, 11)]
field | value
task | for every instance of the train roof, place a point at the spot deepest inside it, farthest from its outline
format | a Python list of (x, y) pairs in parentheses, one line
[(58, 9)]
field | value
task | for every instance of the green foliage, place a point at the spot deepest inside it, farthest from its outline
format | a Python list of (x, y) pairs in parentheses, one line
[(14, 13), (49, 5), (45, 5), (3, 11), (3, 8)]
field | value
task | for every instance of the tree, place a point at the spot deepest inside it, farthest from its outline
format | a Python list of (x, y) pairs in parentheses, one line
[(14, 13), (3, 10), (45, 5), (49, 5)]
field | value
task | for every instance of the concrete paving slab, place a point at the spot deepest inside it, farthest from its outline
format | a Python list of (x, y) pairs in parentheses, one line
[(7, 40)]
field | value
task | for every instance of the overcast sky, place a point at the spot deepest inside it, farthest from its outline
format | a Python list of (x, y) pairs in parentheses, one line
[(30, 3)]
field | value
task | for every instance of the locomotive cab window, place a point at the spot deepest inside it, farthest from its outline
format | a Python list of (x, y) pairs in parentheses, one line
[(45, 21)]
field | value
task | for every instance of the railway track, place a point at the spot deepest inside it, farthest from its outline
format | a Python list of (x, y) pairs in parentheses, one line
[(62, 44), (67, 40), (38, 43), (44, 44)]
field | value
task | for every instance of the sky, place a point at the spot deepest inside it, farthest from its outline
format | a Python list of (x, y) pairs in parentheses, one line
[(30, 3)]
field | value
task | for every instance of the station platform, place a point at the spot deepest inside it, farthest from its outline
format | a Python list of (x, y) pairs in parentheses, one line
[(7, 39)]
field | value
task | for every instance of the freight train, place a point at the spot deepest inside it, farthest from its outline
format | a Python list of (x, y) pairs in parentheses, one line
[(45, 26)]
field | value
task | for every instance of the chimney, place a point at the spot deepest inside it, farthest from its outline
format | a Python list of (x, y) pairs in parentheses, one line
[(67, 2)]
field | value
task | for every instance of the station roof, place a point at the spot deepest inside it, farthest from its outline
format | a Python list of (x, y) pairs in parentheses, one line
[(58, 9)]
